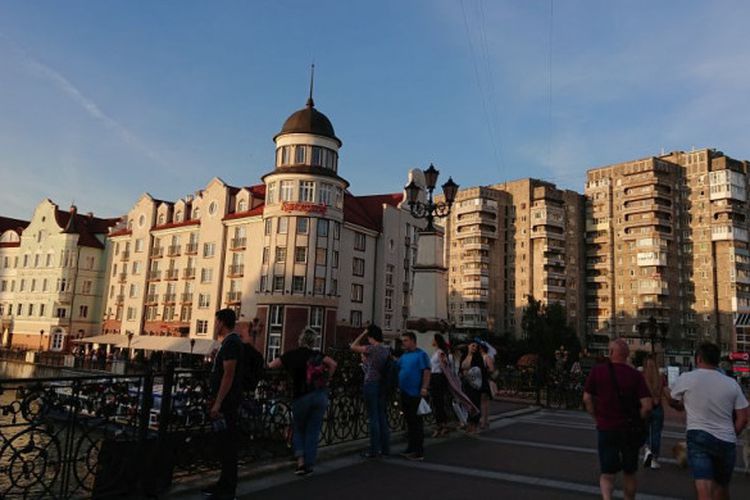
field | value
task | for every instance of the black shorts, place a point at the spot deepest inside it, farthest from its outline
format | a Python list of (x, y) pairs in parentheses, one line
[(617, 453)]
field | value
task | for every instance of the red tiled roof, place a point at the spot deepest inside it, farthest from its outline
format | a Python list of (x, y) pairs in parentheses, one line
[(85, 227), (258, 190), (367, 211), (121, 232), (247, 213), (170, 225), (17, 225)]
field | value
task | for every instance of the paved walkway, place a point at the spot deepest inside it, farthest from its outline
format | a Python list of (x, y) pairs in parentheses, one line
[(541, 455)]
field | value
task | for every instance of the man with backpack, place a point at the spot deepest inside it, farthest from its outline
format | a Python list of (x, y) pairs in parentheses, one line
[(617, 396), (375, 361), (414, 382), (310, 370), (226, 390)]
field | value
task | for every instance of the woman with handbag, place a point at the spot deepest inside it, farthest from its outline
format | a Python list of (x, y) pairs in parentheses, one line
[(474, 375)]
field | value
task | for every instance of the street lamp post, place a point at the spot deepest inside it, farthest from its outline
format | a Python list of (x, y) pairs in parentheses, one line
[(653, 332), (41, 336), (130, 339), (430, 209)]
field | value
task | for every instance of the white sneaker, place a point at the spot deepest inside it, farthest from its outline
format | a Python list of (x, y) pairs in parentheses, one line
[(655, 464), (647, 457)]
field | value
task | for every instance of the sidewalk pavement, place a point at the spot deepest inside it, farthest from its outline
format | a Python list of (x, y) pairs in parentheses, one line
[(328, 456)]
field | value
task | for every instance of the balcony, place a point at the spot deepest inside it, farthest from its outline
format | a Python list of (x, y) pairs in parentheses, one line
[(238, 243), (186, 298), (191, 248), (650, 259), (119, 299), (122, 277), (124, 256), (236, 270), (547, 232), (157, 252), (152, 298), (153, 275), (174, 250), (173, 274), (188, 273), (234, 297), (170, 298), (722, 233)]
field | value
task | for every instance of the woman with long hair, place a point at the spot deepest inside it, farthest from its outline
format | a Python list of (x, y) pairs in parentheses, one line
[(475, 376), (439, 366), (656, 384)]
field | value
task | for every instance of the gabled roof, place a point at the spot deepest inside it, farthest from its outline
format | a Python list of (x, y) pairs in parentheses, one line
[(367, 211), (8, 224), (85, 226)]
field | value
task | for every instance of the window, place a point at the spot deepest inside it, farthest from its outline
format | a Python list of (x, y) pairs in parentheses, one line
[(130, 315), (33, 285), (388, 322), (271, 194), (86, 287), (335, 259), (278, 283), (263, 285), (267, 227), (356, 319), (137, 266), (357, 292), (241, 206), (317, 156), (358, 266), (339, 197), (360, 241), (298, 284), (325, 196), (207, 275), (209, 249), (388, 299), (300, 255), (320, 256), (319, 286), (280, 254), (4, 286), (302, 225), (201, 327), (22, 285), (41, 311), (25, 261), (275, 327), (307, 191), (316, 323), (36, 260), (83, 312), (287, 190), (336, 230), (60, 313), (299, 154), (389, 274), (31, 309), (19, 309), (284, 155), (47, 262), (266, 251), (204, 300), (283, 225), (322, 227), (133, 292)]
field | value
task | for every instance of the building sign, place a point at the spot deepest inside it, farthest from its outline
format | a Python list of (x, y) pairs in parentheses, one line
[(739, 356), (310, 208)]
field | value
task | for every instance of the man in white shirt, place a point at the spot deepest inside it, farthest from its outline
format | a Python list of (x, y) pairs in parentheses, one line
[(710, 400)]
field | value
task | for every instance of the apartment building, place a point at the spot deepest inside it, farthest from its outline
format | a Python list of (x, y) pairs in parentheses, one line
[(296, 250), (507, 242), (667, 238), (51, 277)]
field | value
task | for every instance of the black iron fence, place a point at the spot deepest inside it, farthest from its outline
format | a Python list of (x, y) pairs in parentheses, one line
[(99, 435)]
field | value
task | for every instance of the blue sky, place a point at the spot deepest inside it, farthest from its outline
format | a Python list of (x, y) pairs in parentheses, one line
[(101, 101)]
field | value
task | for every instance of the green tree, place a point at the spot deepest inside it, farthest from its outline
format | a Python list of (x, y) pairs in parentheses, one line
[(546, 329)]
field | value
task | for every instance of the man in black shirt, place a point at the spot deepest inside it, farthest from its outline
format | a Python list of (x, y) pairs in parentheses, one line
[(226, 389)]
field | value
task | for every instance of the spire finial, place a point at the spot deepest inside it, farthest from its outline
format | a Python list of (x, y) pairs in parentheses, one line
[(310, 102)]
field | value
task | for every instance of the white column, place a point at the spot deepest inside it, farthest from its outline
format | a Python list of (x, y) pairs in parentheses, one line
[(429, 299)]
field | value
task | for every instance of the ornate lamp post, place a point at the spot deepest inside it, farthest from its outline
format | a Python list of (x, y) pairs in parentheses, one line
[(429, 210), (653, 332), (428, 305)]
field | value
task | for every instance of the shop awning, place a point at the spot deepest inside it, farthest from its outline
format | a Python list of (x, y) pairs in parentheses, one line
[(110, 338), (173, 344)]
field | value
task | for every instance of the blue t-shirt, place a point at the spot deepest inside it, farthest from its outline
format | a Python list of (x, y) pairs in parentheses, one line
[(411, 367)]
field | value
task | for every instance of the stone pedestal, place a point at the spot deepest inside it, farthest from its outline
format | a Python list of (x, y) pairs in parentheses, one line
[(429, 299)]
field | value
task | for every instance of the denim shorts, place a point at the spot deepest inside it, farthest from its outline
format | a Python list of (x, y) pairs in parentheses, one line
[(709, 457), (617, 453)]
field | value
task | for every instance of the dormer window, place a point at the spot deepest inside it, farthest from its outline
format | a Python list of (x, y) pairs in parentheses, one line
[(161, 219), (178, 216), (241, 206), (196, 213)]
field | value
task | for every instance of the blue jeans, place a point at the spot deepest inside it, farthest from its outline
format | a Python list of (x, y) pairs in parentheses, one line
[(307, 413), (655, 426), (375, 402), (710, 457)]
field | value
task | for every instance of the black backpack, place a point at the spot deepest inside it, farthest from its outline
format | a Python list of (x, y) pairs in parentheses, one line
[(389, 375), (252, 368)]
